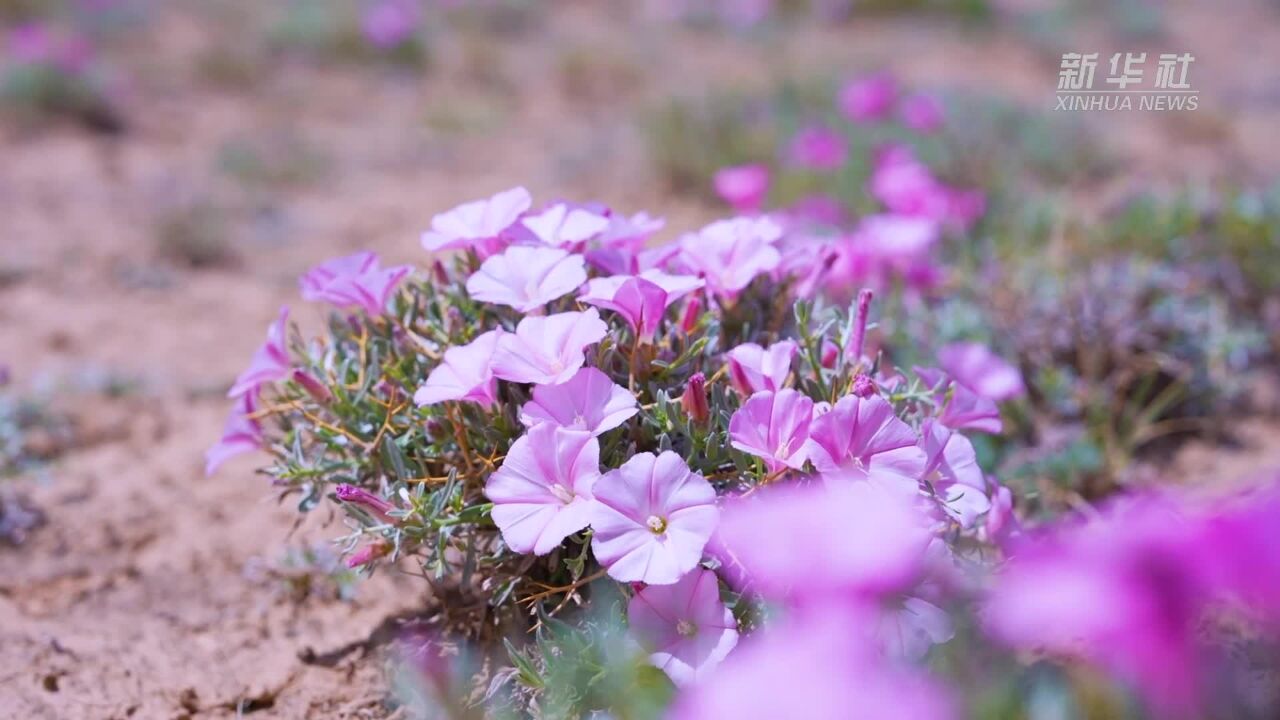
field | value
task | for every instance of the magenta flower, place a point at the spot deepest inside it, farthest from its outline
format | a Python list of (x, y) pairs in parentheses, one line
[(953, 473), (922, 112), (389, 23), (240, 434), (366, 501), (652, 518), (353, 281), (896, 242), (588, 401), (563, 226), (807, 543), (965, 409), (861, 439), (270, 362), (478, 225), (818, 148), (526, 278), (753, 368), (685, 626), (975, 366), (465, 374), (548, 350), (731, 253), (743, 186), (542, 493), (774, 427), (868, 99), (642, 299)]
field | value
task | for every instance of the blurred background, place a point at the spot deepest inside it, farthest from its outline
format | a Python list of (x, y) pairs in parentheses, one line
[(170, 168)]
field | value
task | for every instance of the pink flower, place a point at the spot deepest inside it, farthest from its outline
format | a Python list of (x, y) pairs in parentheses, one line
[(1000, 524), (643, 299), (270, 362), (526, 278), (240, 435), (388, 23), (868, 99), (811, 542), (818, 148), (906, 187), (965, 410), (911, 629), (753, 368), (542, 493), (479, 224), (652, 518), (548, 350), (366, 501), (731, 253), (354, 280), (743, 186), (896, 242), (620, 248), (774, 427), (685, 626), (975, 366), (922, 112), (563, 226), (465, 374), (953, 473), (861, 439), (588, 401)]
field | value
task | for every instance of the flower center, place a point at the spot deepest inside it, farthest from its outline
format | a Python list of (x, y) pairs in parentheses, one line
[(562, 493), (656, 524), (686, 628)]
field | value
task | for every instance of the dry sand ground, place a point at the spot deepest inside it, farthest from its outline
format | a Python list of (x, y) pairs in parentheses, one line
[(133, 601)]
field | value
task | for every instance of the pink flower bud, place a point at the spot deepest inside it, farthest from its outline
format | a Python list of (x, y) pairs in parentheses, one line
[(694, 399), (367, 501), (864, 386), (369, 553), (689, 318), (860, 325), (440, 273), (829, 353), (314, 387)]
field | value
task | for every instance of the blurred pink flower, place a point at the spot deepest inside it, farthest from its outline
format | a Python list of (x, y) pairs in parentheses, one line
[(976, 367), (479, 224), (564, 226), (588, 401), (353, 280), (389, 23), (774, 427), (743, 186), (548, 350), (542, 493), (31, 43), (953, 473), (896, 242), (907, 187), (620, 249), (270, 362), (861, 439), (731, 253), (922, 112), (753, 368), (868, 99), (965, 410), (240, 434), (685, 626), (1000, 524), (527, 278), (909, 630), (643, 299), (818, 148), (465, 373), (652, 519)]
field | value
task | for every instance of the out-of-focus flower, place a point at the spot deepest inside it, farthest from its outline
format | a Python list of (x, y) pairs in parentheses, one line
[(965, 410), (588, 401), (353, 281), (620, 248), (389, 23), (270, 362), (365, 500), (895, 243), (316, 389), (868, 99), (652, 518), (542, 493), (953, 473), (922, 112), (548, 350), (861, 439), (818, 148), (731, 253), (526, 278), (465, 373), (1000, 524), (774, 427), (975, 366), (743, 186), (694, 399), (368, 553), (642, 299), (479, 224), (240, 434), (563, 226), (691, 314), (753, 368), (817, 208), (685, 626), (907, 187)]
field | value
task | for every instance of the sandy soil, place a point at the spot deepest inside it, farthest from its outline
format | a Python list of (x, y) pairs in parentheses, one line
[(135, 600)]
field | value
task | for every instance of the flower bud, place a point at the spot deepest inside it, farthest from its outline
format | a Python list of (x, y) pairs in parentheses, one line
[(689, 318), (864, 386), (314, 387), (369, 553), (367, 501), (860, 325), (829, 353), (439, 272), (694, 399)]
